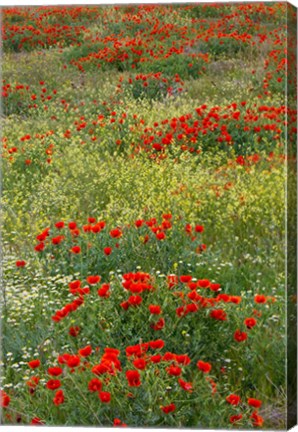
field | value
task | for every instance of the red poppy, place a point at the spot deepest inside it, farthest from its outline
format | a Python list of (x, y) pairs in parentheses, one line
[(218, 314), (103, 291), (240, 336), (250, 323), (260, 298), (133, 378), (86, 351), (187, 386), (5, 399), (135, 300), (257, 420), (20, 263), (159, 325), (140, 363), (55, 371), (40, 247), (74, 331), (57, 240), (157, 344), (214, 287), (72, 225), (75, 249), (169, 408), (53, 384), (107, 251), (204, 366), (115, 233), (94, 385), (118, 423), (59, 224), (33, 364), (73, 361), (105, 397), (155, 309), (199, 228), (235, 418), (37, 421), (59, 398), (256, 403), (233, 399), (93, 280), (160, 236), (204, 283), (174, 370), (185, 278)]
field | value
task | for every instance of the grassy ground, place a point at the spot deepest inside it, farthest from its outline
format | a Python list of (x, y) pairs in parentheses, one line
[(100, 147)]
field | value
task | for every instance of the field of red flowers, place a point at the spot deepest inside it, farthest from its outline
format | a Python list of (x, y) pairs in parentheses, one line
[(145, 150)]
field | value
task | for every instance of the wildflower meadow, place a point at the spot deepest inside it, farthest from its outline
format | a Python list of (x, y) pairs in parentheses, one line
[(146, 152)]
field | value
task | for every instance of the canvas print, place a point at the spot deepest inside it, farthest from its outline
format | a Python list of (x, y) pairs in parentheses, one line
[(149, 215)]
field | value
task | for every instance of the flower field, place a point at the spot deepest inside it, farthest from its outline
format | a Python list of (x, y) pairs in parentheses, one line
[(145, 154)]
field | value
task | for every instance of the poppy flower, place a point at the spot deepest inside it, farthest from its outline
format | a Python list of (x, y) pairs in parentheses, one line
[(182, 359), (86, 351), (156, 358), (33, 364), (36, 421), (53, 384), (185, 278), (218, 314), (39, 247), (140, 363), (107, 251), (199, 228), (240, 336), (93, 280), (204, 283), (187, 386), (257, 420), (117, 422), (115, 233), (168, 408), (73, 361), (5, 399), (103, 291), (57, 240), (135, 300), (94, 385), (260, 298), (157, 344), (250, 323), (59, 398), (235, 418), (74, 331), (174, 370), (139, 223), (55, 371), (159, 325), (160, 236), (233, 399), (100, 369), (214, 287), (75, 250), (256, 403), (59, 225), (105, 397), (133, 378), (21, 263), (72, 225), (155, 309), (204, 366)]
